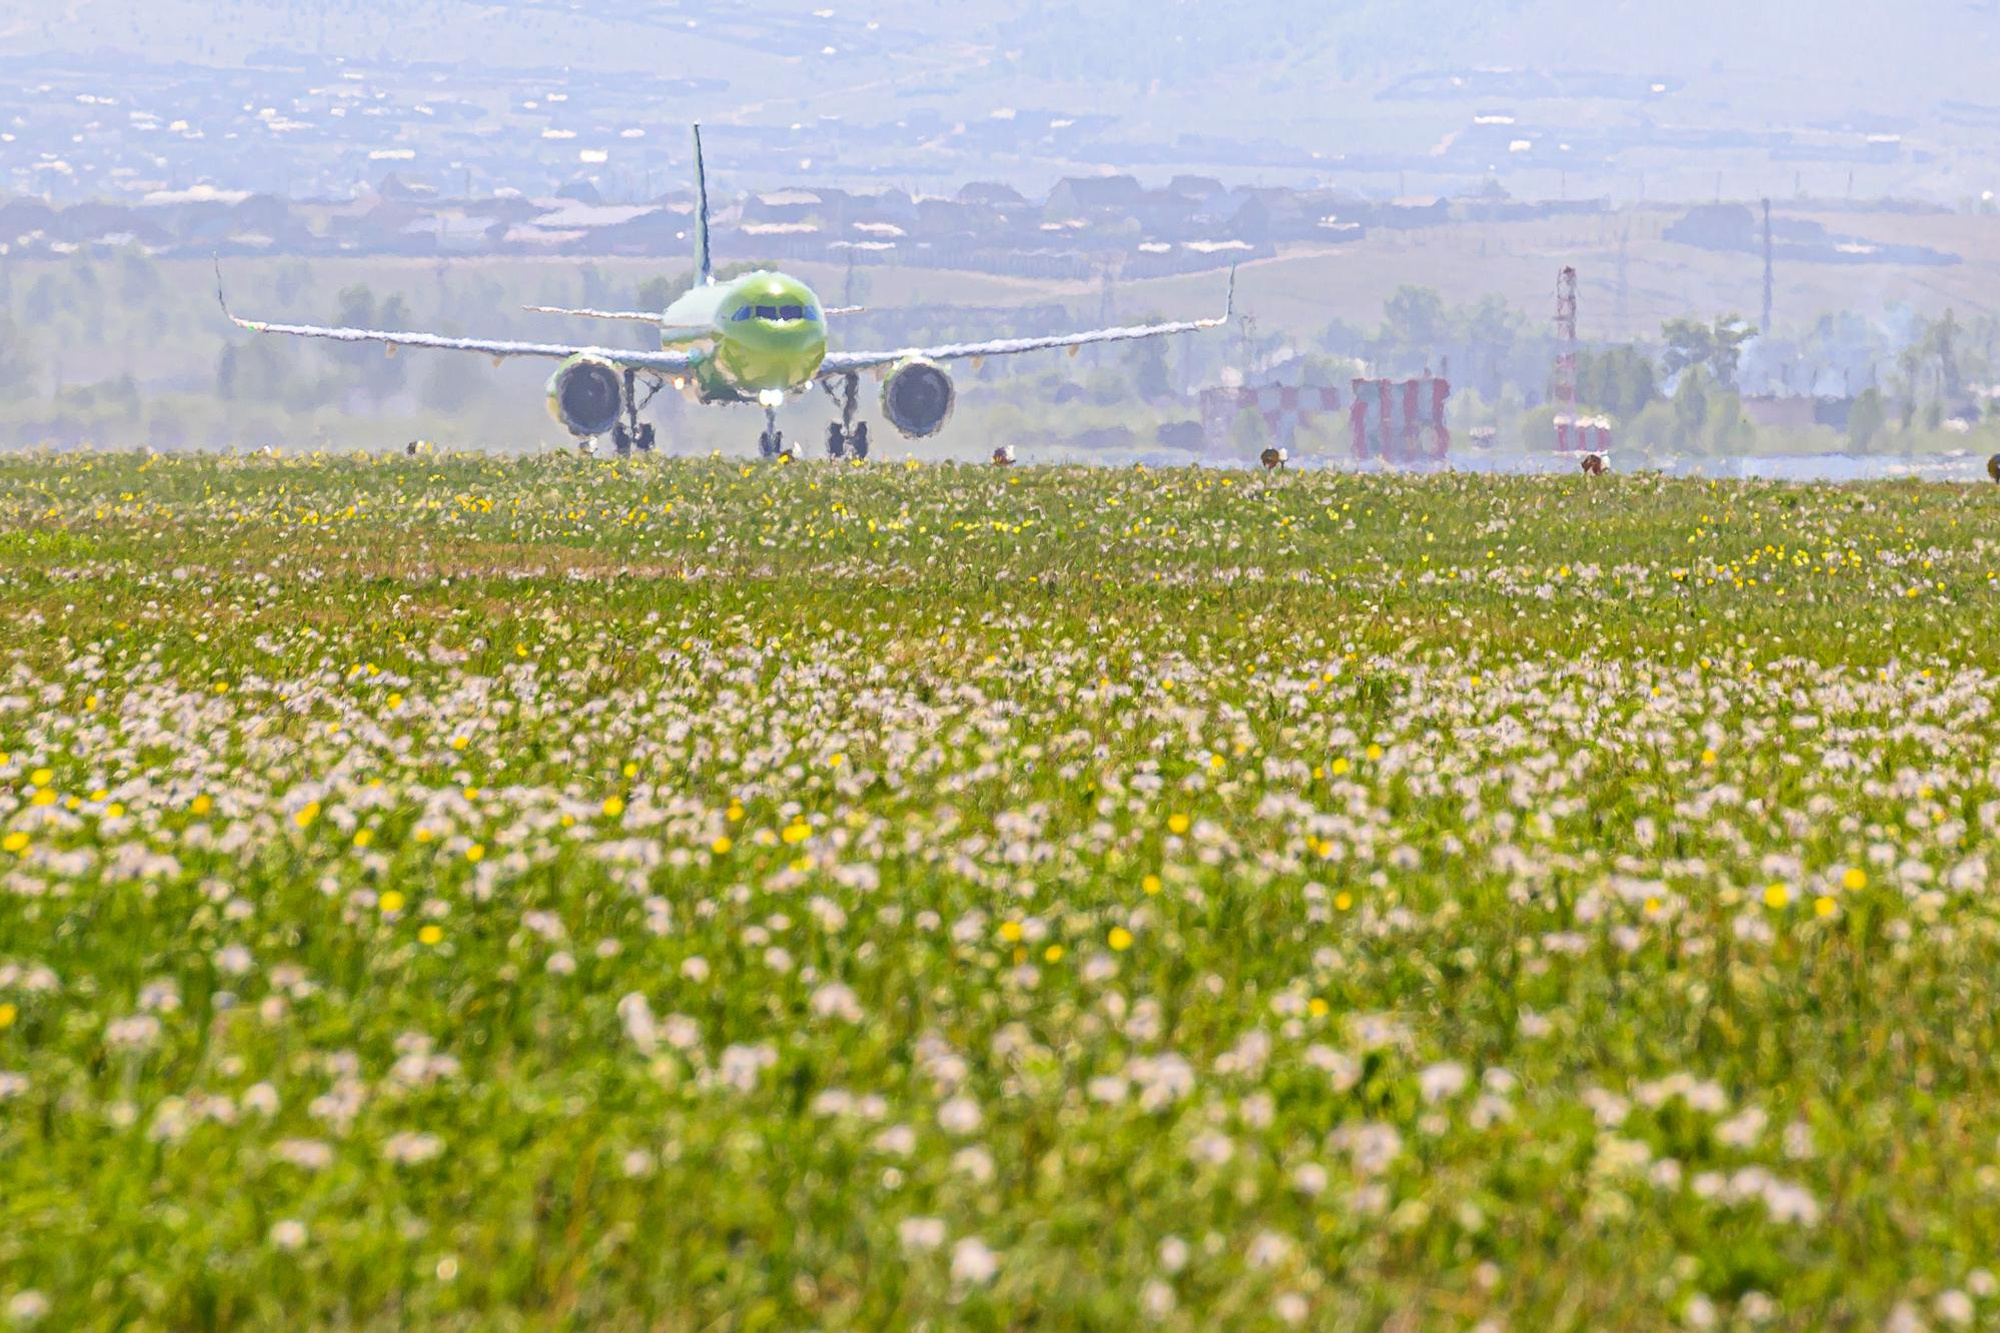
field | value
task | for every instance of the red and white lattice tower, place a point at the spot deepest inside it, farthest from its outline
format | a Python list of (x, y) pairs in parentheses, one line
[(1563, 387)]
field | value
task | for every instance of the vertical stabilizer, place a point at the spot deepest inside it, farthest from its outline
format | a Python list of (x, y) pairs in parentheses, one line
[(704, 269)]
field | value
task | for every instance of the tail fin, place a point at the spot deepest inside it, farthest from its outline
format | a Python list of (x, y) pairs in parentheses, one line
[(704, 269)]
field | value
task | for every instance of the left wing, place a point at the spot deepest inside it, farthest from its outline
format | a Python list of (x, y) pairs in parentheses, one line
[(667, 362), (847, 362)]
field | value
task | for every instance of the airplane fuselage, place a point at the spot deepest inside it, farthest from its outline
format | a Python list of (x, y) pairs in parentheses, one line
[(758, 334)]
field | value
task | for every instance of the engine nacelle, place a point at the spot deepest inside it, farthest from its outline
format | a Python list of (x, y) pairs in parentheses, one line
[(918, 398), (587, 396)]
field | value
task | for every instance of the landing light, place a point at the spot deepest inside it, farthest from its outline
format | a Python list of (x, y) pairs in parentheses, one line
[(771, 398)]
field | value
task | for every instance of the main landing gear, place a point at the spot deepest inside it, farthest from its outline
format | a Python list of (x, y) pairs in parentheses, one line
[(631, 433), (846, 436)]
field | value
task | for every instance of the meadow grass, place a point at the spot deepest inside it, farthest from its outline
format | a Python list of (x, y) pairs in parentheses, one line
[(453, 893)]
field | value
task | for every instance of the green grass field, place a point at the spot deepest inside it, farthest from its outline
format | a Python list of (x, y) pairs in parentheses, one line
[(452, 893)]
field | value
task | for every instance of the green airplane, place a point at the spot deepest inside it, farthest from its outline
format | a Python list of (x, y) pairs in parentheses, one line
[(760, 338)]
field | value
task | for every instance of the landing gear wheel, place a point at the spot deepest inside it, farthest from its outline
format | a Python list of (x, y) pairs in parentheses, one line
[(846, 437), (644, 443), (621, 440), (771, 444)]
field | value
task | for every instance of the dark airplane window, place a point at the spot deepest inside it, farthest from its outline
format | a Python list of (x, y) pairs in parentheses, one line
[(742, 316), (791, 312), (811, 315), (767, 312)]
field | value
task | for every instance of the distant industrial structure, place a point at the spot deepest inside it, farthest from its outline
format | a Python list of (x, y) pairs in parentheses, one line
[(1282, 408), (1401, 422), (1573, 434), (1389, 421)]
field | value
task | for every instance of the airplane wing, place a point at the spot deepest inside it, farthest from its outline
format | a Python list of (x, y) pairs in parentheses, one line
[(667, 362), (643, 317), (847, 362), (627, 316)]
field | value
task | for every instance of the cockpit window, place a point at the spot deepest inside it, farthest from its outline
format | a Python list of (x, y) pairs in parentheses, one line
[(767, 312), (791, 312), (743, 316)]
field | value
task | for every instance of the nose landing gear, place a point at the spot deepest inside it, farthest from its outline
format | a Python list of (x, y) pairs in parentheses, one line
[(771, 444), (846, 436)]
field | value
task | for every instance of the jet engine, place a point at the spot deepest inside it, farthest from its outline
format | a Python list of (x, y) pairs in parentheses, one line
[(917, 398), (586, 396)]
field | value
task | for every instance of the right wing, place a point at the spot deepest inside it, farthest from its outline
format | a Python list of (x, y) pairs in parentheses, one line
[(666, 362), (838, 363)]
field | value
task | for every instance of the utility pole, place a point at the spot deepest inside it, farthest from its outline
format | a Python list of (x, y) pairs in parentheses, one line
[(1564, 387), (1765, 327)]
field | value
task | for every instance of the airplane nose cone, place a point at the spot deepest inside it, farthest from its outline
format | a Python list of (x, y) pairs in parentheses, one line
[(764, 355)]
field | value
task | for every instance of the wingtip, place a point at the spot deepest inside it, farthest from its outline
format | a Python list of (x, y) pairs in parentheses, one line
[(221, 299)]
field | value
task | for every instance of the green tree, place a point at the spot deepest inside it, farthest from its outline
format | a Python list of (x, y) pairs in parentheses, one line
[(1717, 346), (1146, 364), (374, 370), (1867, 418), (1249, 434), (1413, 326), (17, 358), (1690, 409)]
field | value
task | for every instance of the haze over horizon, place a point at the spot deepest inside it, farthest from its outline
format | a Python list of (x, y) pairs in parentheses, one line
[(1619, 100)]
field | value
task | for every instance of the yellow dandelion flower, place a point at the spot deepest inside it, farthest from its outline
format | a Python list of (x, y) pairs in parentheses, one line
[(1340, 767), (1121, 938), (1178, 823), (1052, 954), (42, 777), (1824, 906), (392, 901), (1317, 1007), (364, 838), (1374, 753), (201, 805), (476, 853), (307, 814), (16, 841), (722, 846), (1854, 880), (1151, 884), (430, 935), (1010, 931), (613, 807), (630, 770), (460, 742), (8, 1013), (1777, 896), (1343, 901)]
